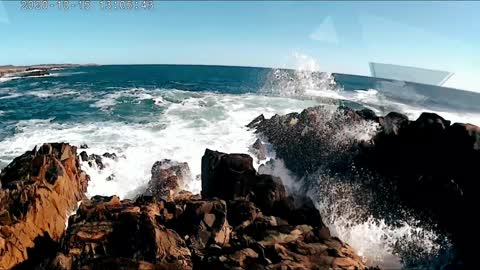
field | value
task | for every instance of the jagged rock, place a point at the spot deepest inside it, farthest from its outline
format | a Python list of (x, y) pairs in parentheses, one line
[(39, 189), (367, 114), (108, 233), (225, 175), (266, 191), (393, 122), (259, 150), (111, 177), (83, 156), (241, 211), (110, 155), (84, 146), (427, 166), (168, 178), (185, 231), (232, 176), (205, 222), (31, 73), (259, 119), (95, 160), (299, 210)]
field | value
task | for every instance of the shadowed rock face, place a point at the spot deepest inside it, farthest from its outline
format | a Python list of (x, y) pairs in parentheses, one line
[(38, 191), (428, 165)]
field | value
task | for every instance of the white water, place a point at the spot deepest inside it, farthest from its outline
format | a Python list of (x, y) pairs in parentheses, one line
[(183, 131), (192, 122), (373, 239)]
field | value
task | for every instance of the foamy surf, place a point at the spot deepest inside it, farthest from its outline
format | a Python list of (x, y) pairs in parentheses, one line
[(181, 133), (143, 122)]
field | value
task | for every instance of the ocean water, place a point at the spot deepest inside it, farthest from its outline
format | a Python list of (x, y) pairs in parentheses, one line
[(145, 113)]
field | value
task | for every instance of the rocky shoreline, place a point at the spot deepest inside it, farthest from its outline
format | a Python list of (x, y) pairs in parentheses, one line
[(243, 218), (426, 168), (31, 71)]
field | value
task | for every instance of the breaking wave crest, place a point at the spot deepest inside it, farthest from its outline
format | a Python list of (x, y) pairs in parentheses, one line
[(405, 242), (301, 81)]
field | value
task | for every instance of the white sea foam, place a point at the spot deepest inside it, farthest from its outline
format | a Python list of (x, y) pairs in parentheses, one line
[(107, 101), (304, 80), (378, 242), (6, 79), (12, 95), (181, 133), (52, 93), (193, 121)]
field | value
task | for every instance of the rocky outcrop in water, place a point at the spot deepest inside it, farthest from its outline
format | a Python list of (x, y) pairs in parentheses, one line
[(95, 160), (33, 73), (39, 189), (244, 220), (168, 178), (427, 165)]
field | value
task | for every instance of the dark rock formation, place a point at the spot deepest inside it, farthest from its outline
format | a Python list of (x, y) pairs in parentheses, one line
[(226, 175), (33, 72), (284, 232), (259, 150), (38, 191), (95, 160), (205, 223), (426, 165), (110, 155), (232, 176), (168, 178)]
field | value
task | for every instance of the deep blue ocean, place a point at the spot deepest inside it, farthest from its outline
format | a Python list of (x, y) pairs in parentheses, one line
[(148, 112)]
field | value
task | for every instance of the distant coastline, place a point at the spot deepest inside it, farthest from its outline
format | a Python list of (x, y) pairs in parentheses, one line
[(33, 70)]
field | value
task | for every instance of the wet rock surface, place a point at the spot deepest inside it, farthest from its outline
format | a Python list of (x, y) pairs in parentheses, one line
[(427, 165), (38, 191), (168, 178), (95, 160), (253, 224)]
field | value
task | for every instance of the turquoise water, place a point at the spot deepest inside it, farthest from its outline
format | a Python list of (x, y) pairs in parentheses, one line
[(145, 113), (77, 94)]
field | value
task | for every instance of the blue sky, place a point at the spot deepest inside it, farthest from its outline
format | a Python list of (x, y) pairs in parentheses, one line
[(339, 36)]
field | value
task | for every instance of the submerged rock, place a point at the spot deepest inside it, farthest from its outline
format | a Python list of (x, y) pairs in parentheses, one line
[(95, 160), (38, 191), (84, 146)]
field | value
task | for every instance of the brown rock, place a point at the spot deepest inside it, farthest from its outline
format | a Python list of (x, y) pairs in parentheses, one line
[(241, 210), (39, 190), (241, 257), (105, 231), (205, 223), (168, 178)]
